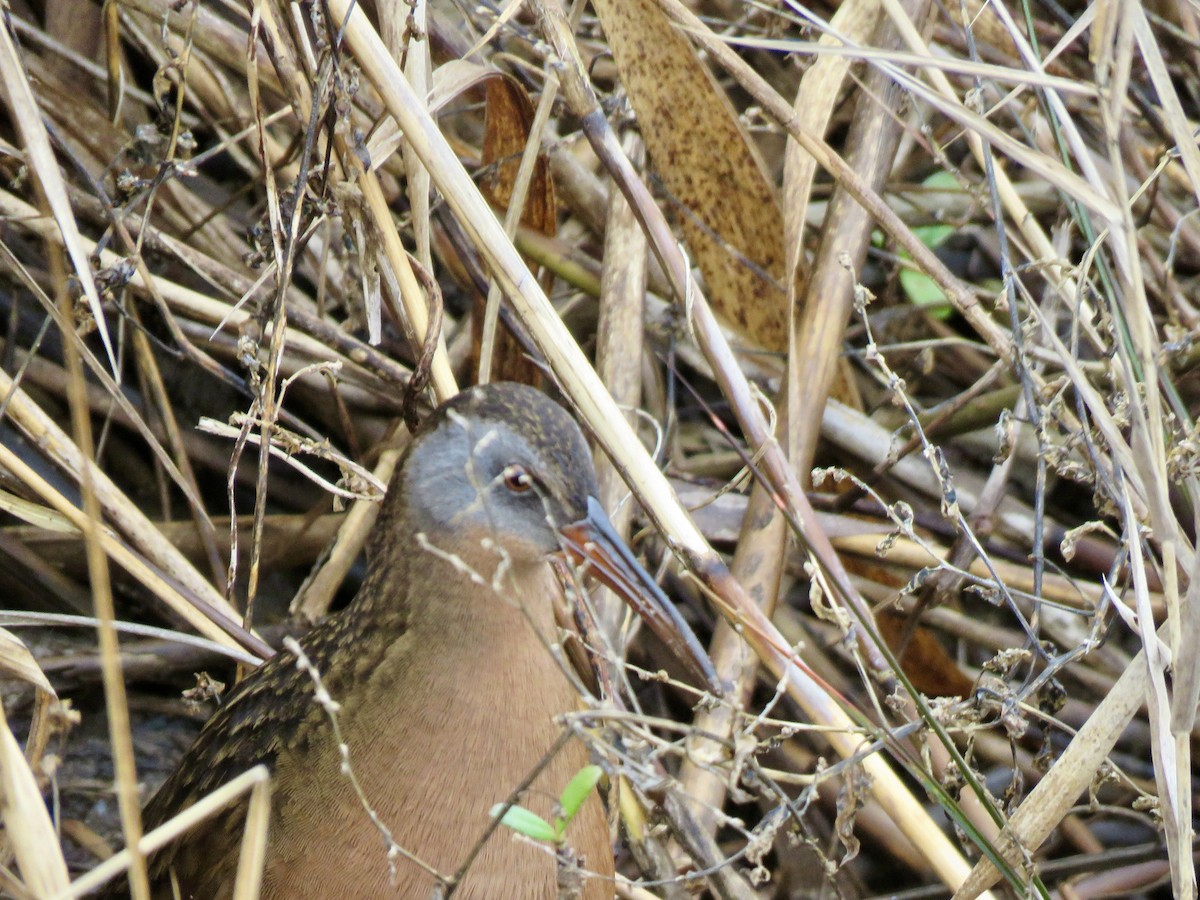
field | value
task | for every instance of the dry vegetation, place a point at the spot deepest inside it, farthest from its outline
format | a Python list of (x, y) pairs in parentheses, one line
[(942, 257)]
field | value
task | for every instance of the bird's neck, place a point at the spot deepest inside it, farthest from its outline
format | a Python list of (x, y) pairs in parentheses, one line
[(458, 598), (478, 639)]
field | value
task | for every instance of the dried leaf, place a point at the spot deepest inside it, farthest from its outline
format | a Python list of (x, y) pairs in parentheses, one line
[(727, 206)]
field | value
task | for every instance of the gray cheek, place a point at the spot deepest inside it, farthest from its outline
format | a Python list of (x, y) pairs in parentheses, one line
[(449, 492), (439, 491)]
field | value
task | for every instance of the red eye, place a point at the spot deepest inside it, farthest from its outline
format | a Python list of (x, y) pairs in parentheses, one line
[(517, 479)]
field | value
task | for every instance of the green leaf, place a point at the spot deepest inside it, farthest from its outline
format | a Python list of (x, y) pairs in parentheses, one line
[(577, 790), (920, 288), (530, 824), (943, 180), (933, 235)]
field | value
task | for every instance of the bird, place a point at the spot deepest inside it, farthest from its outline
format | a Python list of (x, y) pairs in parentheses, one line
[(448, 693)]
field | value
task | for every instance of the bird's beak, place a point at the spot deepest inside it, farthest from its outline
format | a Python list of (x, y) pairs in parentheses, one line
[(593, 540)]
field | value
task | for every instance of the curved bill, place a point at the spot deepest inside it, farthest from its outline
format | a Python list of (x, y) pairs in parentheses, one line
[(593, 540)]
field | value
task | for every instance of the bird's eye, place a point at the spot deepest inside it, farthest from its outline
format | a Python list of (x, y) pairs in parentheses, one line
[(517, 479)]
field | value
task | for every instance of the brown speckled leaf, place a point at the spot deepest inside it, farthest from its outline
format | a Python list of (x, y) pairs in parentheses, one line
[(726, 206)]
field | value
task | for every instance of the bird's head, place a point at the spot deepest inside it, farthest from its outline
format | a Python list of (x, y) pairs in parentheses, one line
[(503, 470), (500, 463)]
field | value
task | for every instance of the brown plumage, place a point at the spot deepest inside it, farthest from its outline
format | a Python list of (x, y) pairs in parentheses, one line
[(448, 688)]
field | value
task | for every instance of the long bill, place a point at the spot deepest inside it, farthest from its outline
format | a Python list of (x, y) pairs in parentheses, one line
[(594, 541)]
